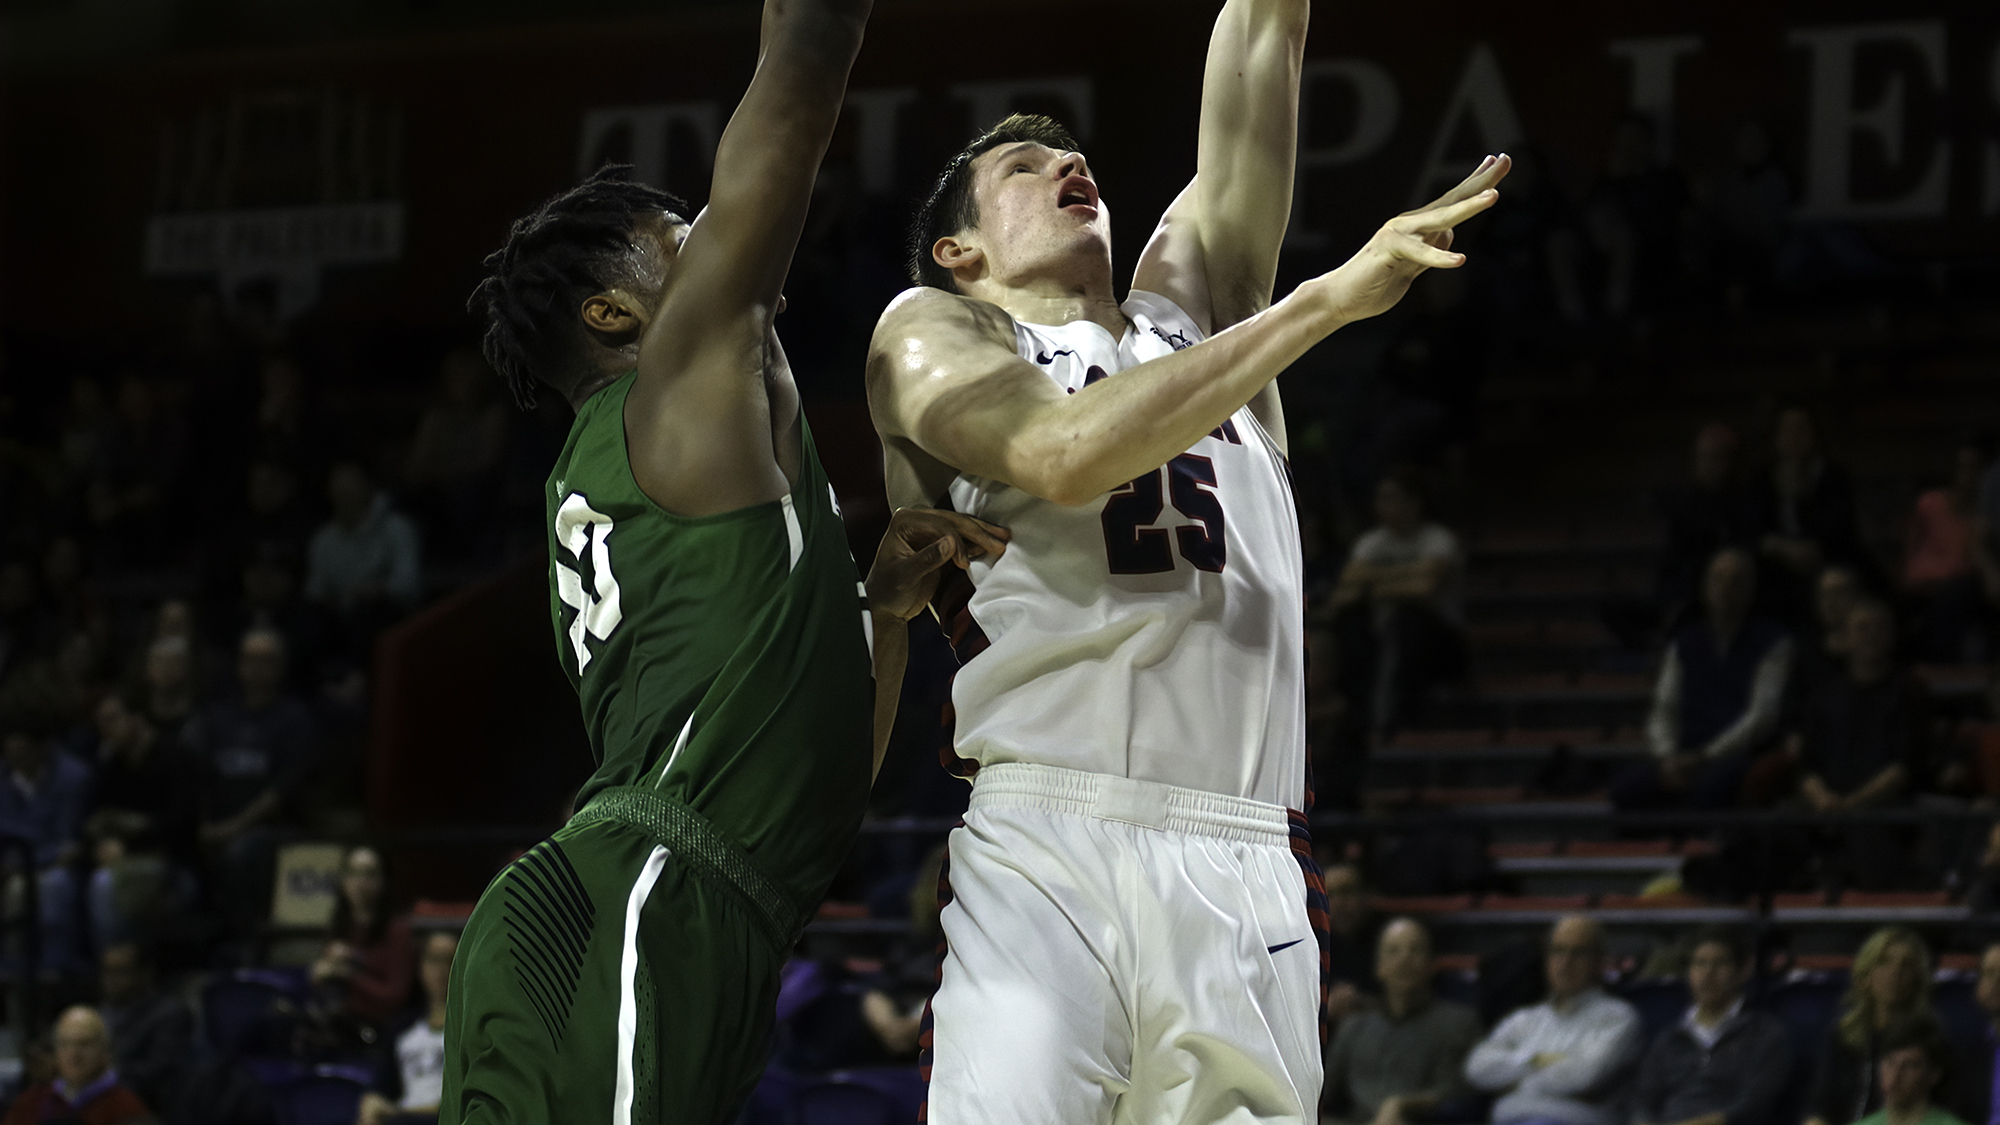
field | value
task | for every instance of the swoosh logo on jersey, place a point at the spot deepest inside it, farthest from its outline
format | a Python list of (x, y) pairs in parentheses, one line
[(1280, 948), (1048, 357)]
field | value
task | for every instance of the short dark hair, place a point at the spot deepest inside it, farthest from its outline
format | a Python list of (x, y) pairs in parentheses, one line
[(1922, 1032), (569, 248), (1723, 936), (951, 207)]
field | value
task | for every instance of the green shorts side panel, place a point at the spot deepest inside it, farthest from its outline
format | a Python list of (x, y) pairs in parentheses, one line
[(531, 1035)]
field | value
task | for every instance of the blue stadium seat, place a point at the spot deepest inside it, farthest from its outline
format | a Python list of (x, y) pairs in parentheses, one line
[(319, 1099), (1661, 1001), (235, 1011), (833, 1102)]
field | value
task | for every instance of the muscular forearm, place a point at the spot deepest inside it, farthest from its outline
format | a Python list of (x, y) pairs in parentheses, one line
[(1078, 447), (815, 33), (892, 655)]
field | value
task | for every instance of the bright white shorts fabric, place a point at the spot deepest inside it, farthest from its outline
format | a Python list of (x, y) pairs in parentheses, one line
[(1123, 951)]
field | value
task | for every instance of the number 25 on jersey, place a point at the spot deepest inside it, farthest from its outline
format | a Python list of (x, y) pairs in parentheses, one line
[(1133, 546)]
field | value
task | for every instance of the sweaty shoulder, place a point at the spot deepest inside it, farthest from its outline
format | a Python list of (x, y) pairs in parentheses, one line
[(923, 314), (928, 333)]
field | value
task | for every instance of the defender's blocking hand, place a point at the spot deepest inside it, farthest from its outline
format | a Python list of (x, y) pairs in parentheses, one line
[(1371, 282), (918, 543)]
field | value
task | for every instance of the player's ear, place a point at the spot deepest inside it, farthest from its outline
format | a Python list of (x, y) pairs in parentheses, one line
[(954, 255), (613, 313)]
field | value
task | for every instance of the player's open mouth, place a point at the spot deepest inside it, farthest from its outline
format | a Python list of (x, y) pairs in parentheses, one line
[(1077, 192)]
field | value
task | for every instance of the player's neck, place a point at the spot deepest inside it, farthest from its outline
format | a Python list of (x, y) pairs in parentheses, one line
[(1058, 305)]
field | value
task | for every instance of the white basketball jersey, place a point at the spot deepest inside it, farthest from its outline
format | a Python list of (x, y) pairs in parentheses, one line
[(1156, 632)]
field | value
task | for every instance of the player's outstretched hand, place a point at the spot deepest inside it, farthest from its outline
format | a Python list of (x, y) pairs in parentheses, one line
[(919, 542), (1371, 282)]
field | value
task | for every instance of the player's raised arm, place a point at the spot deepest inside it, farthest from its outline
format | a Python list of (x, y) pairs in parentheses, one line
[(1215, 252), (699, 411), (944, 378)]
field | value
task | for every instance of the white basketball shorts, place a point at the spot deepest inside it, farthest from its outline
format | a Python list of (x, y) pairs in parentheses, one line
[(1123, 951)]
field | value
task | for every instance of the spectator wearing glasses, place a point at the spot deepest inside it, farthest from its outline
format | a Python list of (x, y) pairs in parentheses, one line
[(1560, 1062)]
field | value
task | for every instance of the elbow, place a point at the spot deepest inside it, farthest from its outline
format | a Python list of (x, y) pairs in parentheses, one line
[(1061, 475)]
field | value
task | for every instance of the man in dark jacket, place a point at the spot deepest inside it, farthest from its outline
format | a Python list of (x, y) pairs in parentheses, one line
[(1722, 1064)]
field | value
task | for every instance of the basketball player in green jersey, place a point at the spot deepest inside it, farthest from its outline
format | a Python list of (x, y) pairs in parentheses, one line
[(707, 610)]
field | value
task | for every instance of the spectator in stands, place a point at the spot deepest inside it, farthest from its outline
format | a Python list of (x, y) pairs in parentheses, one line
[(142, 830), (1400, 1062), (1561, 1061), (86, 1089), (1637, 217), (171, 698), (1915, 1058), (1719, 699), (365, 966), (152, 1028), (1351, 929), (455, 458), (253, 755), (1981, 1058), (1986, 531), (1805, 517), (1722, 1064), (1939, 572), (1836, 593), (1890, 990), (42, 798), (362, 567), (1399, 606), (416, 1083), (1708, 513), (1861, 742)]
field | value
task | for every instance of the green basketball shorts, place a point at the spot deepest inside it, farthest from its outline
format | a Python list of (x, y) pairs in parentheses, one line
[(619, 973)]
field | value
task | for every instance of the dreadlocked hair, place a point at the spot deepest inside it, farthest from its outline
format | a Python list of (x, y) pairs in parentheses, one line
[(951, 206), (575, 245)]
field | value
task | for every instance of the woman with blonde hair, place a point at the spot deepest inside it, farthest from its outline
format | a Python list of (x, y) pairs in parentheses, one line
[(1890, 990)]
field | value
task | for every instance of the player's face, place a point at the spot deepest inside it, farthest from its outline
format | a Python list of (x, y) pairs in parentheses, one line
[(1036, 204)]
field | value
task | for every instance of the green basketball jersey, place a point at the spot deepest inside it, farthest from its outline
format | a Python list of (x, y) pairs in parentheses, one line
[(721, 660)]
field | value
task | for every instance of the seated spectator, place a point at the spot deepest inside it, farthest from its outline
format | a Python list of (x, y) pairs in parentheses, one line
[(86, 1090), (1399, 1062), (252, 756), (1983, 757), (1805, 517), (1890, 989), (1939, 571), (152, 1029), (416, 1083), (171, 695), (1399, 612), (1861, 744), (1351, 930), (42, 798), (1722, 1064), (1561, 1061), (143, 828), (362, 566), (1914, 1061), (454, 460), (1708, 513), (1982, 1057), (366, 965), (1986, 532), (1719, 699)]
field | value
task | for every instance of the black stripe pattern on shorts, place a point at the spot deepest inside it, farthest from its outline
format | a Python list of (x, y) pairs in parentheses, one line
[(549, 923)]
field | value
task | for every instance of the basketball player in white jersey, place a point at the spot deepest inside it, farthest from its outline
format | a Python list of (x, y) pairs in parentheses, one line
[(1129, 933)]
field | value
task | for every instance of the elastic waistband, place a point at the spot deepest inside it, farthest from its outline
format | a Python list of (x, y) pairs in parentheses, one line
[(1148, 804), (690, 837)]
